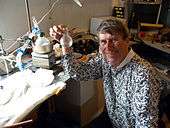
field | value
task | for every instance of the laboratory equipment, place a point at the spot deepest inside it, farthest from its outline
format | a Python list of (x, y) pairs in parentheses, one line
[(43, 55), (5, 64), (66, 40)]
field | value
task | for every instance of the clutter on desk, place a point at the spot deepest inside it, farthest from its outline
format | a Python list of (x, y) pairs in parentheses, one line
[(24, 91), (42, 45), (19, 83), (165, 37), (149, 32), (58, 51), (6, 61), (155, 35), (85, 43), (43, 55)]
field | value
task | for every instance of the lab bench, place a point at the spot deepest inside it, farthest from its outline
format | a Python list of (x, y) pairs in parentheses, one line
[(20, 107)]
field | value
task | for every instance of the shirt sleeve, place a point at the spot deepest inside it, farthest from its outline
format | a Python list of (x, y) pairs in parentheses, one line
[(90, 70), (146, 100)]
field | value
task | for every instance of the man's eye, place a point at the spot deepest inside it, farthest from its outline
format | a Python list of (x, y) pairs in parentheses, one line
[(113, 41), (102, 42)]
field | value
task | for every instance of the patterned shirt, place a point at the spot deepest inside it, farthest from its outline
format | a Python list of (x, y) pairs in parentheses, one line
[(131, 90)]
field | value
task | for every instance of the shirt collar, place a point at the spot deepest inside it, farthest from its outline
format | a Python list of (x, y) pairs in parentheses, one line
[(127, 59)]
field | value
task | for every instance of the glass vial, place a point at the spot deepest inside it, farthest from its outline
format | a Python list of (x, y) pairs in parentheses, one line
[(66, 40)]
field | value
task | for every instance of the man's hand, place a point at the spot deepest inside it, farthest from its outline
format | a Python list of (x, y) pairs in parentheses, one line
[(57, 31)]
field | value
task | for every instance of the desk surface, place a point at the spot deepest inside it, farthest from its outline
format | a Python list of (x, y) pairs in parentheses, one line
[(159, 46), (17, 110), (36, 100)]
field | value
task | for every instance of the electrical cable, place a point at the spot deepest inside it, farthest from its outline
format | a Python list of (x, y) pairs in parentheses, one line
[(47, 12)]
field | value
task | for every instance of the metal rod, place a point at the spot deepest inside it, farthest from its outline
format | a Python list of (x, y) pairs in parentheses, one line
[(28, 15), (159, 12), (1, 46)]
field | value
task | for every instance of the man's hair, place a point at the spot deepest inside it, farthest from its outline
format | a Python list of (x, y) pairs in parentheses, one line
[(113, 26)]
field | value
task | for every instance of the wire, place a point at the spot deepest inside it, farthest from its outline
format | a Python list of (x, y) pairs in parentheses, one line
[(11, 45), (16, 41), (48, 11), (5, 60)]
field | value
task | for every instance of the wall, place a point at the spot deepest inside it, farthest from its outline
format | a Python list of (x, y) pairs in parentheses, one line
[(13, 22), (119, 3)]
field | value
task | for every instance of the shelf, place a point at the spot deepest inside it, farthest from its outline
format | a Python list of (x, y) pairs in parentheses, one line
[(149, 25), (139, 2)]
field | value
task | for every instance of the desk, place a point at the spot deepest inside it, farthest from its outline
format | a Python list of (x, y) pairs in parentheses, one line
[(158, 46), (17, 110)]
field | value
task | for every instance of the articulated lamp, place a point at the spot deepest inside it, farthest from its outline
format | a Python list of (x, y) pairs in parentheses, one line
[(28, 11)]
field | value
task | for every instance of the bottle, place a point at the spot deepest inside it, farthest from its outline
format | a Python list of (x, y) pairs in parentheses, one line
[(66, 40)]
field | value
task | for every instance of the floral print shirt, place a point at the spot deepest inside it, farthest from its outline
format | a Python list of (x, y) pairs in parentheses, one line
[(131, 91)]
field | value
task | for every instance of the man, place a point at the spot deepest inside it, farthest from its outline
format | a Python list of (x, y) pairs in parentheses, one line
[(130, 85)]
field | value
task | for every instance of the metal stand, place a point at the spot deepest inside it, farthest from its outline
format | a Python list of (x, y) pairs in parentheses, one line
[(1, 46), (159, 11), (28, 15), (3, 54)]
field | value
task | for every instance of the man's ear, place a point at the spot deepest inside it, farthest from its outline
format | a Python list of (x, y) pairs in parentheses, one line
[(100, 51), (127, 40)]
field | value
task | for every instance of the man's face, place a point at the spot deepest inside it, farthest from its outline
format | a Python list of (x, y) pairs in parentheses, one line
[(113, 48)]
